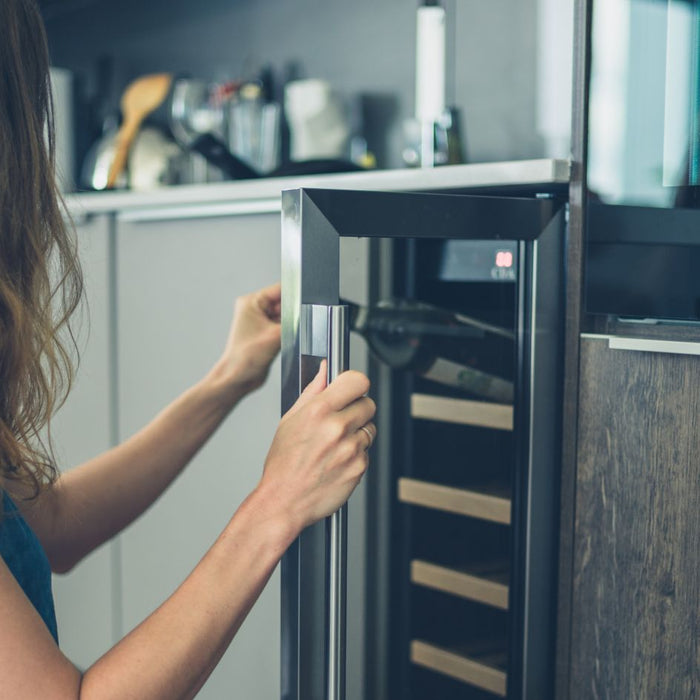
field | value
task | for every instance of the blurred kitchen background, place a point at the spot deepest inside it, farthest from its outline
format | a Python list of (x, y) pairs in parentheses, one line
[(164, 266), (293, 87), (507, 72)]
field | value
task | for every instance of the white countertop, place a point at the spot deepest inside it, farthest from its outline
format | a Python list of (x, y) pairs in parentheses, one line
[(263, 195)]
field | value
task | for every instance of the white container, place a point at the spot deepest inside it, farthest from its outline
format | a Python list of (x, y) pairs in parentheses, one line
[(430, 63), (317, 122)]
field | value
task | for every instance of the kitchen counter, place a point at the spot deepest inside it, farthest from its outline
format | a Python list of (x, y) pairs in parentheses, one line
[(263, 195)]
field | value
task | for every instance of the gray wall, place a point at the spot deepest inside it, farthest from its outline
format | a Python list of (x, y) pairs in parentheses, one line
[(364, 46)]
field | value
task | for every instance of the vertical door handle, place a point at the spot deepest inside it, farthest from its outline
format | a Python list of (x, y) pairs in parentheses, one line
[(325, 333)]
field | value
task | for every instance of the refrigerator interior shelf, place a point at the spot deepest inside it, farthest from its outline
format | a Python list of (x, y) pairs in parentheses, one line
[(485, 671), (477, 413), (494, 507), (483, 586)]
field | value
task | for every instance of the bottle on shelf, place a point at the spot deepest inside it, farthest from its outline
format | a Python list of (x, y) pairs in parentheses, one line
[(439, 345)]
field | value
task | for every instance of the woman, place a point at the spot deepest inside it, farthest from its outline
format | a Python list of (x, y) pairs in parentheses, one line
[(317, 457)]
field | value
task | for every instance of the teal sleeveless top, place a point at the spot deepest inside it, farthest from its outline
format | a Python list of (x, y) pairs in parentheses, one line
[(26, 559)]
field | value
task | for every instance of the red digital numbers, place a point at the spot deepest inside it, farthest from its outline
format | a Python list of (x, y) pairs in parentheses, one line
[(504, 258)]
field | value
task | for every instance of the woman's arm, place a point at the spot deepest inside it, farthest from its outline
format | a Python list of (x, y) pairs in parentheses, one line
[(172, 652), (91, 503), (317, 458)]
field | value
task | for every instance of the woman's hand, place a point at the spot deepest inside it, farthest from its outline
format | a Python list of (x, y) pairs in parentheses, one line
[(252, 345), (319, 452)]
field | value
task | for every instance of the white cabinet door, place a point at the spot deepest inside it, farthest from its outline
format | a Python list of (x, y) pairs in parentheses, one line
[(82, 428), (177, 281)]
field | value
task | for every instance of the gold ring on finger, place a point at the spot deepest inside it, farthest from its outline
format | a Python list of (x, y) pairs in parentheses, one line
[(370, 437)]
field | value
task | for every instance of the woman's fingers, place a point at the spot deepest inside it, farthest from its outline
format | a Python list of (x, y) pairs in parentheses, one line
[(319, 453), (340, 394), (269, 300), (346, 388), (312, 389), (358, 413)]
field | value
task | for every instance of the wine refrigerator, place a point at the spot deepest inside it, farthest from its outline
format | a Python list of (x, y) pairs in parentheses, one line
[(438, 578)]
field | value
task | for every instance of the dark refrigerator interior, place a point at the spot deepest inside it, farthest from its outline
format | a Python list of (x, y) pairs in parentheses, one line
[(456, 460)]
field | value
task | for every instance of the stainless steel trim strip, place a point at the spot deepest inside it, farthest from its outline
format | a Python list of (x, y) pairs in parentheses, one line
[(532, 382), (314, 330), (337, 326), (672, 347)]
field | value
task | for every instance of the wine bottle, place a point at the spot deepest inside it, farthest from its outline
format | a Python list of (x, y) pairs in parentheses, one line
[(439, 345)]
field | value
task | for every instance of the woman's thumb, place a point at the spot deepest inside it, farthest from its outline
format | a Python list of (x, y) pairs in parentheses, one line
[(313, 388)]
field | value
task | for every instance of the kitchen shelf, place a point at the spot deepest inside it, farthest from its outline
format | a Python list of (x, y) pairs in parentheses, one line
[(463, 411), (485, 505), (485, 671), (483, 585)]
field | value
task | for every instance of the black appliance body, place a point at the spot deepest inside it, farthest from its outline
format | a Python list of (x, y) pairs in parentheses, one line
[(642, 167)]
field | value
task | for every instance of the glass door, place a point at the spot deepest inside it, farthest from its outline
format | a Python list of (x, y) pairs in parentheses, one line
[(463, 323)]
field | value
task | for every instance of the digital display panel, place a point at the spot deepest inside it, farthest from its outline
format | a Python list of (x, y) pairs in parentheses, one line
[(479, 261)]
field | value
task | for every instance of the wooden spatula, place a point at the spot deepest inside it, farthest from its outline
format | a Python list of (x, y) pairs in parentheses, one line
[(141, 97)]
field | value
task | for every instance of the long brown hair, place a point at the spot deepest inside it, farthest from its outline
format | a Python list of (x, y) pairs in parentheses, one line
[(40, 277)]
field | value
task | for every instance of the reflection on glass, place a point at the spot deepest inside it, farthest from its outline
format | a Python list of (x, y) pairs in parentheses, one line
[(442, 346), (644, 102)]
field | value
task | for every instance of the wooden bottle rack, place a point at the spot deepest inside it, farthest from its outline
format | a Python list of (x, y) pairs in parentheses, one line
[(487, 505), (487, 587), (481, 414), (485, 670)]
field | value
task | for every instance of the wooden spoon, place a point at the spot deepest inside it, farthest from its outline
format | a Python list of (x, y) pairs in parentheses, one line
[(140, 98)]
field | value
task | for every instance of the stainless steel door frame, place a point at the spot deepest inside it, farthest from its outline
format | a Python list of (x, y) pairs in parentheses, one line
[(313, 221), (304, 582), (536, 482)]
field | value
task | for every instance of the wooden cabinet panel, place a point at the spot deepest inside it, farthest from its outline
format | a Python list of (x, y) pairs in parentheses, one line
[(636, 597)]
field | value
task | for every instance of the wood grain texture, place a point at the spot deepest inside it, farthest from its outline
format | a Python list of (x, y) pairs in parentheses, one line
[(636, 593)]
